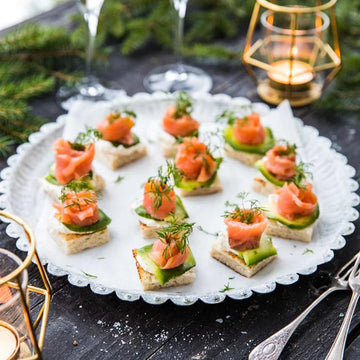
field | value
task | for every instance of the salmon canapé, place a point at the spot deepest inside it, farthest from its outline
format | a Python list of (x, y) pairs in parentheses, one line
[(78, 208), (168, 256), (281, 162), (294, 201), (117, 128), (245, 228), (159, 199), (195, 161), (248, 130), (181, 126), (70, 163)]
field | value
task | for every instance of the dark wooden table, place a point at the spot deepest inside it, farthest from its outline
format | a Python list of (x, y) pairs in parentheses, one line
[(83, 325)]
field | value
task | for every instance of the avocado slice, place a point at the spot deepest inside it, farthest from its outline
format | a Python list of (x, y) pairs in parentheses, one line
[(260, 149), (265, 250), (299, 222), (180, 212), (165, 275), (260, 164), (101, 224)]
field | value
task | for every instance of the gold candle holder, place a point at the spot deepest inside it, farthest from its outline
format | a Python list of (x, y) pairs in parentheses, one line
[(297, 54), (19, 338)]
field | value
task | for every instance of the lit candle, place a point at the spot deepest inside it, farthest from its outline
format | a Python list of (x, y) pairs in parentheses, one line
[(292, 72), (9, 342)]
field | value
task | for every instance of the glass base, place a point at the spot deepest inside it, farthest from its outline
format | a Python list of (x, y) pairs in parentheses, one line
[(88, 89), (176, 77)]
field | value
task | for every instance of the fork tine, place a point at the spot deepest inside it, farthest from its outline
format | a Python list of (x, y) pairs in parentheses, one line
[(348, 264), (355, 268)]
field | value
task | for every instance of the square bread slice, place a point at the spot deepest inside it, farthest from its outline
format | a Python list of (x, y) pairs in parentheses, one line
[(234, 262), (168, 148), (213, 188), (277, 229), (73, 243), (263, 186), (150, 282), (244, 157), (116, 157), (54, 191)]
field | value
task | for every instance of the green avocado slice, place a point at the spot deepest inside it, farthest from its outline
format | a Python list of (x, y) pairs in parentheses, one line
[(101, 224), (165, 275), (260, 165), (260, 149), (299, 222), (265, 250), (180, 212)]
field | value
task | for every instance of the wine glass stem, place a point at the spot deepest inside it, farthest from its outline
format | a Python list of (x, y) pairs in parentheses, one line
[(92, 23), (180, 7)]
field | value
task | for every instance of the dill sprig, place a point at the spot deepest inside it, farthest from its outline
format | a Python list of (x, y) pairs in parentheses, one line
[(289, 149), (161, 186), (231, 117), (90, 135), (184, 104), (302, 174), (243, 213), (116, 114), (173, 172), (75, 187), (176, 233)]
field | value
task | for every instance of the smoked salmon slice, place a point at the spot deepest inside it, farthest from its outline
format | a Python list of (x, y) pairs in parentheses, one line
[(293, 201), (72, 164), (182, 126), (281, 162), (249, 130), (117, 128), (168, 258), (78, 208), (245, 235), (194, 160), (159, 199)]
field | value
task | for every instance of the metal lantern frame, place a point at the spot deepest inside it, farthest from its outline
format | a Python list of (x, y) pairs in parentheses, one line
[(333, 53), (13, 280)]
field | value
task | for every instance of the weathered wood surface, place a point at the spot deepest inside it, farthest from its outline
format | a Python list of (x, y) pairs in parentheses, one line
[(83, 325)]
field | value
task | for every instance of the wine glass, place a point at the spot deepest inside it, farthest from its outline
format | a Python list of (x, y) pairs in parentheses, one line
[(178, 76), (89, 87)]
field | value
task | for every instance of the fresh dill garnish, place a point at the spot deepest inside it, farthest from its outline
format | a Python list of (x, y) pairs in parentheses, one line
[(101, 258), (307, 251), (129, 113), (180, 139), (173, 172), (89, 275), (200, 228), (84, 138), (302, 173), (75, 187), (184, 105), (116, 114), (176, 233), (226, 288), (242, 213), (230, 117), (119, 179), (289, 149), (232, 278)]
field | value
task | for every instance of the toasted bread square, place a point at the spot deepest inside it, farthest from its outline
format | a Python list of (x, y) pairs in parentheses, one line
[(116, 157), (244, 157), (75, 242), (277, 229), (234, 262), (213, 188), (150, 282), (263, 186)]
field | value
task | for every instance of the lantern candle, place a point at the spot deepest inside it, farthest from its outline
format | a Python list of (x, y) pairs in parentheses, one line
[(291, 72), (9, 342)]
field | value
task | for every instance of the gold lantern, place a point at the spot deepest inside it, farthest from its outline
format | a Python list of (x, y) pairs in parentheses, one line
[(19, 338), (297, 53)]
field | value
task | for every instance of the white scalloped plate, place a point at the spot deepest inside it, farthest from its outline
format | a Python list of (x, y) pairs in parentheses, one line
[(112, 263)]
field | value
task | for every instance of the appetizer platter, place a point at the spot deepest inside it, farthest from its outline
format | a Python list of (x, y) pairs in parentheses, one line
[(167, 197)]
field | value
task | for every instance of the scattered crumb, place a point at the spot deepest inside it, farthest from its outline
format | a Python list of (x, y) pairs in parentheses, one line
[(341, 315), (228, 316), (75, 343), (220, 321)]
